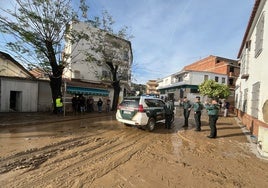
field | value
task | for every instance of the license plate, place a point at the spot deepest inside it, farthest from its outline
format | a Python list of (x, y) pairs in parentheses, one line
[(127, 112)]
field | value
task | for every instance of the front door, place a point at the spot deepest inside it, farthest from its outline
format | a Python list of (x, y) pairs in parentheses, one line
[(15, 101)]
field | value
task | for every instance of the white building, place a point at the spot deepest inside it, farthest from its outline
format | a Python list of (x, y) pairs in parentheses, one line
[(90, 60), (251, 87), (19, 90), (185, 83)]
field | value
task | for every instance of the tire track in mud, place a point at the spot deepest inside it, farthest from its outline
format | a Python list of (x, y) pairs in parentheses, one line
[(33, 158), (97, 163), (93, 159)]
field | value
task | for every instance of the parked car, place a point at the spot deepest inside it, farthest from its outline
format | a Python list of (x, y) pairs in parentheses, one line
[(142, 111)]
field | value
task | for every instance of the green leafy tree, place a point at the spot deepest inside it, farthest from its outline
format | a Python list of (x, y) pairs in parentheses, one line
[(40, 28), (213, 89)]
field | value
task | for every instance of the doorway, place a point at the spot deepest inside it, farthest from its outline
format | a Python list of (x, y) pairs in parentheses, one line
[(15, 101)]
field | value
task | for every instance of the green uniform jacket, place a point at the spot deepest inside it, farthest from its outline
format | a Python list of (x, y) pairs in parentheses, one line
[(212, 109), (198, 106), (169, 107), (186, 105)]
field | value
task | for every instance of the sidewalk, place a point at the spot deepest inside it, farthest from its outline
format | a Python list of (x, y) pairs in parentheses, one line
[(30, 118)]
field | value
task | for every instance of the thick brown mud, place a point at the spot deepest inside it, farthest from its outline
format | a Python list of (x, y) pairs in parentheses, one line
[(100, 152)]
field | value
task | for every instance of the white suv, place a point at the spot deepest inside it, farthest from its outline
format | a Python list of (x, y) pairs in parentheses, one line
[(142, 111)]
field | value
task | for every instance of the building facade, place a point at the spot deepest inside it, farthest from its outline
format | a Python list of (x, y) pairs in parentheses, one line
[(92, 61), (185, 84), (251, 87), (219, 65), (151, 87), (20, 91)]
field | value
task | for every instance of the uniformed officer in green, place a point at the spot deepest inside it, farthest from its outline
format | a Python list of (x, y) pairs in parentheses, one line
[(186, 110), (198, 107), (169, 112), (213, 111)]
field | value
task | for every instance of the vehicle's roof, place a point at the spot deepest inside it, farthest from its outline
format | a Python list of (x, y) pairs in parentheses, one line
[(138, 97)]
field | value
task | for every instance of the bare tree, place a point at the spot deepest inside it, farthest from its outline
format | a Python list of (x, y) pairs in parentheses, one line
[(40, 28)]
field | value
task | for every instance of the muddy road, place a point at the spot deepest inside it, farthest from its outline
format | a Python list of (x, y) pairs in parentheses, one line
[(100, 152)]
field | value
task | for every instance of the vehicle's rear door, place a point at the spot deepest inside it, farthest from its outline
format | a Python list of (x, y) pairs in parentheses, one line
[(160, 109), (129, 107)]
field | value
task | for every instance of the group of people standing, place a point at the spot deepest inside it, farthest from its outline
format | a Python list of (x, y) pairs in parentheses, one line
[(80, 104), (212, 108)]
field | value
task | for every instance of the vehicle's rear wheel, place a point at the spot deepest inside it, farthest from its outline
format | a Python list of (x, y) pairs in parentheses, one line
[(127, 125), (151, 124)]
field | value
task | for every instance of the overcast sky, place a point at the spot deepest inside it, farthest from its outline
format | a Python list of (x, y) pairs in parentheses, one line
[(169, 34)]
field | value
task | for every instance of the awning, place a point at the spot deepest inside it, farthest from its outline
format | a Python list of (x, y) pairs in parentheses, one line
[(86, 91)]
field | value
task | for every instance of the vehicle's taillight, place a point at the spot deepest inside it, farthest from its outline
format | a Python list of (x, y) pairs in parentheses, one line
[(141, 109)]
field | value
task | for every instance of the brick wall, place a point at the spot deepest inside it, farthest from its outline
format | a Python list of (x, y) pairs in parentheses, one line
[(250, 122), (210, 64)]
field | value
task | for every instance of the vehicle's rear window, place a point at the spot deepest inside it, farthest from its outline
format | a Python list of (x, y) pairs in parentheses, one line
[(154, 103), (130, 103)]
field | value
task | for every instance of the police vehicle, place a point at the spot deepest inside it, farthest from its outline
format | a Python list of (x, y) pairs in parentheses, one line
[(142, 111)]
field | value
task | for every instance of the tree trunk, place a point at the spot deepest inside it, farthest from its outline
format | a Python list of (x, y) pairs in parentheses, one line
[(56, 77), (55, 85), (116, 86)]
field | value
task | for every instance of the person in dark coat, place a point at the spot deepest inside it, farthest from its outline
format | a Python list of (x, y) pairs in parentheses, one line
[(90, 104), (75, 104), (197, 107), (186, 110), (169, 110), (99, 104), (82, 103)]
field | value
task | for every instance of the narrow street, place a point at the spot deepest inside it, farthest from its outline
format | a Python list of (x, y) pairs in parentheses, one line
[(100, 152)]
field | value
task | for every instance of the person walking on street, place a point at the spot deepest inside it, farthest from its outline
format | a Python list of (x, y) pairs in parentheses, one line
[(90, 104), (186, 110), (82, 102), (75, 104), (198, 107), (100, 105), (108, 103), (226, 106), (169, 110), (213, 111)]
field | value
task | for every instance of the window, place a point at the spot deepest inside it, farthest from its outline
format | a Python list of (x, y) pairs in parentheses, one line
[(106, 75), (231, 69), (231, 81), (160, 103), (194, 91), (259, 36), (216, 78), (244, 108), (77, 74), (180, 79), (223, 80), (205, 77), (248, 45), (255, 99)]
